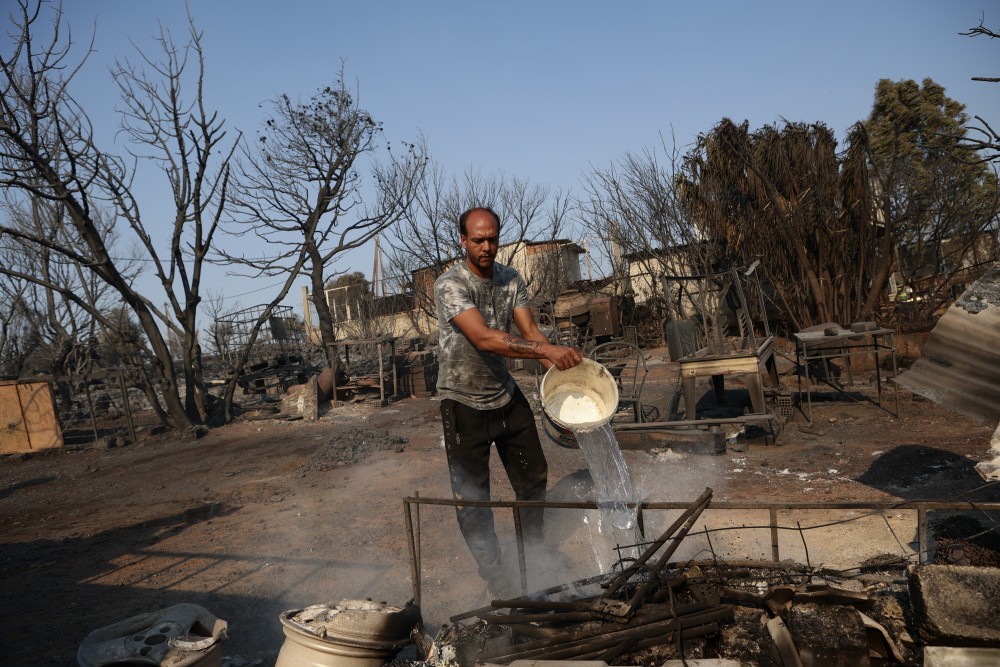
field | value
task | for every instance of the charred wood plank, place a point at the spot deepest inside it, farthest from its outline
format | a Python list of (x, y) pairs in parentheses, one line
[(606, 636)]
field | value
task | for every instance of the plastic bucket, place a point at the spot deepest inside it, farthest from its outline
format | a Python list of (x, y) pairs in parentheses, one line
[(581, 398)]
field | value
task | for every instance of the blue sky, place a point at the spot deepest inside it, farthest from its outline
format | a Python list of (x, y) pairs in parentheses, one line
[(547, 90)]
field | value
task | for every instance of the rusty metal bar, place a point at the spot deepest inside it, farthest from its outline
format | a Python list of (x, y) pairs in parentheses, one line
[(420, 563), (664, 558), (625, 574), (414, 550), (604, 640), (930, 505), (659, 640), (596, 579), (582, 634), (519, 540), (773, 517), (616, 651), (534, 631), (543, 605), (554, 617)]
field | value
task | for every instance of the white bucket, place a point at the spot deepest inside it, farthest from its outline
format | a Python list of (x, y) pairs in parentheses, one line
[(581, 398)]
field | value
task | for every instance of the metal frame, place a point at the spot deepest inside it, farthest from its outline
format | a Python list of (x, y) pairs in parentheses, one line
[(380, 352), (627, 364), (817, 346), (411, 509), (113, 380)]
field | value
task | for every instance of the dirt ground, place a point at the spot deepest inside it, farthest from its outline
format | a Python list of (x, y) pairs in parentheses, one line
[(267, 515)]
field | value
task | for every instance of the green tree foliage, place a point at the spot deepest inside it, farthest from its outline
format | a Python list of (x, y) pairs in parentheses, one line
[(939, 205)]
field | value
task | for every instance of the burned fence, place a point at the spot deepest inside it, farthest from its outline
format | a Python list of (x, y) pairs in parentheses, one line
[(97, 408)]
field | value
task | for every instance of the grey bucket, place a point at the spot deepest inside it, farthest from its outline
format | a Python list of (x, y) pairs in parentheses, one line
[(587, 379)]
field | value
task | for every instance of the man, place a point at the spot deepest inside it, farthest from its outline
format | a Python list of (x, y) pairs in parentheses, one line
[(477, 300)]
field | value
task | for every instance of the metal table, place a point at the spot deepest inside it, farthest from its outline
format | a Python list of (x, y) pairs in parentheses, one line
[(845, 343)]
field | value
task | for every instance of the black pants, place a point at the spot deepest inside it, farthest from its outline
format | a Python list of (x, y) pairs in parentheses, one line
[(468, 434)]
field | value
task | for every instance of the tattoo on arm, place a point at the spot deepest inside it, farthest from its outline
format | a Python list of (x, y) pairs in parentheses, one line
[(521, 345)]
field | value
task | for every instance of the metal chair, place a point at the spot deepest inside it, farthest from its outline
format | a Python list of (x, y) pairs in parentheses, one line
[(627, 363)]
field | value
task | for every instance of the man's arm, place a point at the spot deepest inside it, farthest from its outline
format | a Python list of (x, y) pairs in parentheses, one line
[(534, 344), (530, 332)]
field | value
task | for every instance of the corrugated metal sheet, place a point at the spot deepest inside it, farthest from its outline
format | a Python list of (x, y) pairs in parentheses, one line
[(960, 364)]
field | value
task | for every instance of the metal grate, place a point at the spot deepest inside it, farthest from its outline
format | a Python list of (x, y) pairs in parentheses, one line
[(785, 407)]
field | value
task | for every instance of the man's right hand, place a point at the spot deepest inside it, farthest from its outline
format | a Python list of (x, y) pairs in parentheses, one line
[(562, 357)]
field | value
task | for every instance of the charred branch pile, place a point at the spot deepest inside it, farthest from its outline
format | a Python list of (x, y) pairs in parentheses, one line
[(651, 610)]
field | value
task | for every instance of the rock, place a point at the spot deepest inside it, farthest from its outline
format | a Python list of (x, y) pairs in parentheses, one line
[(956, 605)]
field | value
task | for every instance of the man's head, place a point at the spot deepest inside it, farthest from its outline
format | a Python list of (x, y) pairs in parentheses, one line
[(480, 236), (463, 219)]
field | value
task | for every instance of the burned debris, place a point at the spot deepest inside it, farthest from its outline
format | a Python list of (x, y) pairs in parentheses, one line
[(651, 609), (278, 354)]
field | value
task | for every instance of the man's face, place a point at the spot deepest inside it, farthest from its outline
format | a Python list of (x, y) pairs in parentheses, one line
[(481, 240)]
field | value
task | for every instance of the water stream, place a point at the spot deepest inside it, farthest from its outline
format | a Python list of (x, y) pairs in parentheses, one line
[(612, 485)]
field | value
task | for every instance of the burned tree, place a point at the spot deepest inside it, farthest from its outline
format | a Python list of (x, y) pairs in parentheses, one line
[(48, 152), (537, 220), (981, 139), (16, 329), (638, 212), (302, 191), (425, 241)]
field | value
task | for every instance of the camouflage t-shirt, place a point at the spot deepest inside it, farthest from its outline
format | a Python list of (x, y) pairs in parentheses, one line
[(477, 379)]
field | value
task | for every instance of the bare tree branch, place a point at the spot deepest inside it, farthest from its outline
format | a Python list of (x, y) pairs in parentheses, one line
[(301, 190)]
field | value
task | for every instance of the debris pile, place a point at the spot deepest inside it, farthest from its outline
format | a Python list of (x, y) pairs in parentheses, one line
[(650, 610), (353, 445)]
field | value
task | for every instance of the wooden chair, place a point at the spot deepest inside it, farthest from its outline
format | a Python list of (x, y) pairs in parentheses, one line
[(627, 363)]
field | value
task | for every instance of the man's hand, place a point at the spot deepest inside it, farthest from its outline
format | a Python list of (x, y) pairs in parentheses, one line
[(562, 357)]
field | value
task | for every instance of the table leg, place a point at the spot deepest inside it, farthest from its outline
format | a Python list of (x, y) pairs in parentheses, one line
[(805, 373), (756, 390), (719, 384), (395, 376), (381, 375), (687, 386), (878, 371)]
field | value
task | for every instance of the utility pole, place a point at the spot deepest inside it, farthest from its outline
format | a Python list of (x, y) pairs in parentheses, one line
[(378, 270)]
